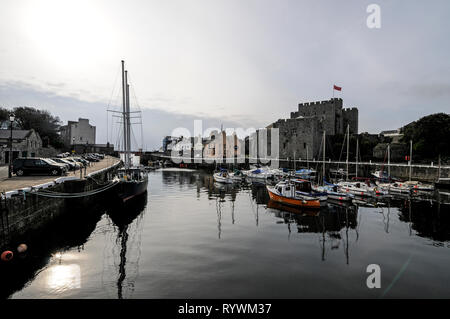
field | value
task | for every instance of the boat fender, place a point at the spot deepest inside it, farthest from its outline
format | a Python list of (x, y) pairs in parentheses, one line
[(7, 255), (22, 248)]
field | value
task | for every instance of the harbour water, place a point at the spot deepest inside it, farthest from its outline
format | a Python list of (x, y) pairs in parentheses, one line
[(192, 238)]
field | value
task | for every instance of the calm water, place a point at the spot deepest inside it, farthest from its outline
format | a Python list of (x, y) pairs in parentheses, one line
[(192, 239)]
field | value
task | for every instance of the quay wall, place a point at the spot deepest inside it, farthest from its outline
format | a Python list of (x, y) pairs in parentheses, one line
[(27, 212), (418, 172)]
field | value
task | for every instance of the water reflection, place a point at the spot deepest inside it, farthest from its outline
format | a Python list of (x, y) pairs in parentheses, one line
[(427, 218), (64, 277), (204, 239), (128, 221), (43, 246)]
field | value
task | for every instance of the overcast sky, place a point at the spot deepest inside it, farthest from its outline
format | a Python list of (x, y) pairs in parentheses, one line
[(240, 63)]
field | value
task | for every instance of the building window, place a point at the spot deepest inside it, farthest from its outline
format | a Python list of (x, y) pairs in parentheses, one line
[(304, 145), (24, 153)]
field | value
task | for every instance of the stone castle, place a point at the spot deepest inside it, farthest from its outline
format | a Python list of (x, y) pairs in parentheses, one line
[(302, 132)]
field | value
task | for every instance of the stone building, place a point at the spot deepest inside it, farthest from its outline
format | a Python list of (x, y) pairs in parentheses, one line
[(301, 134), (26, 143), (332, 112), (80, 132), (223, 147)]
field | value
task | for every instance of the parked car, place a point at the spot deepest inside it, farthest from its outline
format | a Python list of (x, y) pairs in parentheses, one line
[(60, 161), (71, 160), (70, 166), (37, 166), (82, 162), (92, 158)]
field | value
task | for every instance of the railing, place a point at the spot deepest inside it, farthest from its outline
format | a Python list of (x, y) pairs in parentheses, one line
[(313, 161)]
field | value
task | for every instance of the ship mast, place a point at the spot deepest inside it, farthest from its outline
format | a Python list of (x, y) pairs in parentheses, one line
[(128, 121), (124, 114), (126, 117)]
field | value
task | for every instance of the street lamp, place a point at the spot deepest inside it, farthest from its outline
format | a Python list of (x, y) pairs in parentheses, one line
[(11, 119)]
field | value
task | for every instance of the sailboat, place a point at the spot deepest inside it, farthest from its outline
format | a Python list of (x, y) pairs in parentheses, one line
[(133, 179), (330, 191)]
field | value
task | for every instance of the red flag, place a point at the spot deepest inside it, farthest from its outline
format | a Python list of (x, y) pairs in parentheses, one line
[(337, 88)]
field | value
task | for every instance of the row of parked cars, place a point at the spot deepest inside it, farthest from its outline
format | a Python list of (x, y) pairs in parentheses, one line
[(59, 165)]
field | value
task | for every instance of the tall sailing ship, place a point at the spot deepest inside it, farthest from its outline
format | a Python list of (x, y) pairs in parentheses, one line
[(133, 178)]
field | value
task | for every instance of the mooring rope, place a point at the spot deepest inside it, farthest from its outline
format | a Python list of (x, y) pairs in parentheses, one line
[(51, 194)]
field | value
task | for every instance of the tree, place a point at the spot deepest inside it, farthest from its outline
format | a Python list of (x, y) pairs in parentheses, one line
[(430, 136), (41, 121), (4, 114)]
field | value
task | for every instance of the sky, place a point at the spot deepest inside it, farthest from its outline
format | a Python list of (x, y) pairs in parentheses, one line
[(236, 63)]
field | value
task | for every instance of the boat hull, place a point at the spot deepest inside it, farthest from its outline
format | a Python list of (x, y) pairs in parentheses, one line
[(128, 190), (294, 202), (223, 180)]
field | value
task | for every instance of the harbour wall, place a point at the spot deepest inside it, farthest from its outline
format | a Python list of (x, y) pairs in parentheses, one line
[(25, 212), (423, 173)]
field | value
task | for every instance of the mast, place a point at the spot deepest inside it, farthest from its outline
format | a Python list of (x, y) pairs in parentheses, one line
[(410, 159), (348, 142), (389, 161), (323, 168), (128, 122), (307, 157), (356, 163), (439, 167), (294, 161), (124, 113)]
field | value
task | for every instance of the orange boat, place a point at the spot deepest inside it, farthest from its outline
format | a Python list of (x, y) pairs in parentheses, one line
[(291, 209), (285, 193)]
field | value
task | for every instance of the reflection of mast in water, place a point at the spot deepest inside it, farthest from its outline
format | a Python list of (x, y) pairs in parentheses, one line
[(123, 260), (323, 238), (410, 219), (219, 218), (346, 235), (232, 212), (127, 249), (386, 218), (257, 215)]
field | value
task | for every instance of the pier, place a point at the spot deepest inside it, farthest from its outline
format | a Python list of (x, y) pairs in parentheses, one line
[(30, 203), (20, 182)]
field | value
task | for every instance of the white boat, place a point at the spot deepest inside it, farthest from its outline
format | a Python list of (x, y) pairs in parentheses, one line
[(418, 186), (223, 177), (398, 188), (358, 189), (305, 173), (237, 176), (334, 193), (261, 174)]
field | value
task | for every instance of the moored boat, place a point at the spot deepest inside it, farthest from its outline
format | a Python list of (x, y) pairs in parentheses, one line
[(223, 177), (284, 192), (304, 188), (237, 176), (133, 178), (334, 194)]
